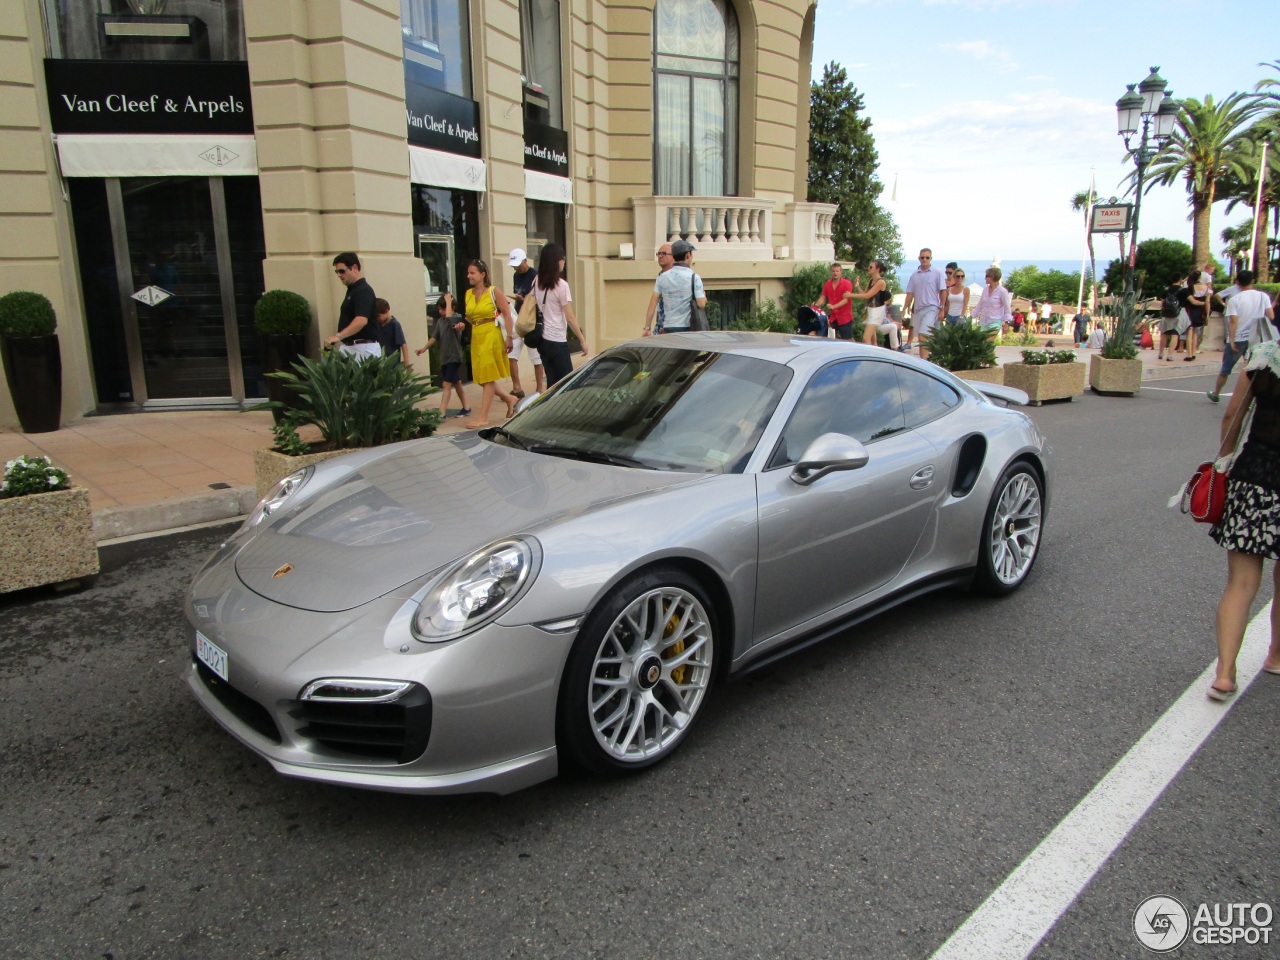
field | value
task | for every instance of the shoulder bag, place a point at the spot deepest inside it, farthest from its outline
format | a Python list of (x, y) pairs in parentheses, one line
[(697, 314), (1205, 495), (527, 319)]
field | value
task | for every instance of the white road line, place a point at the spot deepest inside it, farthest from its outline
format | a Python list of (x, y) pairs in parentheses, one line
[(1199, 393), (1016, 917)]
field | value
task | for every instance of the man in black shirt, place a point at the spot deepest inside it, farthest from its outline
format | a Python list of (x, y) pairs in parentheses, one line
[(355, 318)]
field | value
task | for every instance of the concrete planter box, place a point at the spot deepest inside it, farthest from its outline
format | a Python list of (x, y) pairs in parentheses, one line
[(985, 375), (271, 466), (1115, 377), (46, 538), (1046, 381)]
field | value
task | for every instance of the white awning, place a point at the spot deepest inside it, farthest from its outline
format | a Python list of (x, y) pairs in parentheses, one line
[(435, 168), (547, 186), (152, 155)]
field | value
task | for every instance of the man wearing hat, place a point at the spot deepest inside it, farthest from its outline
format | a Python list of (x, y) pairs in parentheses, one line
[(521, 285), (676, 289)]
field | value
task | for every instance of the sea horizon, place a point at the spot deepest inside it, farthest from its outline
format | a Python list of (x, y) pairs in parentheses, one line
[(975, 270)]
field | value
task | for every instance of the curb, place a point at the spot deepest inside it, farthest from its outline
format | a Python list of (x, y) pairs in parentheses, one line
[(113, 523)]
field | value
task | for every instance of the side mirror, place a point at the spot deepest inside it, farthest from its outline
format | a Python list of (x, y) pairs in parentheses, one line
[(527, 402), (828, 453)]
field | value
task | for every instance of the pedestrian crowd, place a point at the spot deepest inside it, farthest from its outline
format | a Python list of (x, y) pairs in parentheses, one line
[(482, 329)]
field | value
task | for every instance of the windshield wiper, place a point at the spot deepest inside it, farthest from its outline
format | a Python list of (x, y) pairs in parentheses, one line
[(504, 432), (590, 456)]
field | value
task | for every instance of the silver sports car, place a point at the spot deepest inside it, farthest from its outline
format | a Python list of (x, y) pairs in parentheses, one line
[(466, 613)]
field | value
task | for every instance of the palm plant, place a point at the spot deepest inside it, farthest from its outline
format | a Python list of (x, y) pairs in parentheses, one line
[(1082, 201), (1208, 142), (1244, 189)]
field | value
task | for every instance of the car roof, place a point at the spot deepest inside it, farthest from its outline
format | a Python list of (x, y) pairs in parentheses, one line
[(790, 349)]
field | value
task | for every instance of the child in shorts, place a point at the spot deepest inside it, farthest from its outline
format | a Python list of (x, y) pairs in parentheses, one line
[(447, 332)]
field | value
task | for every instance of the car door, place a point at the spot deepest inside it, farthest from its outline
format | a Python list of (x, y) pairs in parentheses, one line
[(825, 544)]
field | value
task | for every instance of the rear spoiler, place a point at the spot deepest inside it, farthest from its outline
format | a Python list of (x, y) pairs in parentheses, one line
[(998, 391)]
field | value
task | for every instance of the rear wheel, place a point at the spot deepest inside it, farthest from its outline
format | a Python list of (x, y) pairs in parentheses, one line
[(1011, 531), (638, 674)]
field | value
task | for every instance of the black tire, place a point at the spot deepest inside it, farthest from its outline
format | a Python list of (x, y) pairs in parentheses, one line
[(1011, 526), (651, 671)]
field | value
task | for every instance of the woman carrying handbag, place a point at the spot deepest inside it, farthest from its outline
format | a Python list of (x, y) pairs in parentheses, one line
[(1250, 524)]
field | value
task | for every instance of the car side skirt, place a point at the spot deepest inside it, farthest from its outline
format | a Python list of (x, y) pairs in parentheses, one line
[(747, 665)]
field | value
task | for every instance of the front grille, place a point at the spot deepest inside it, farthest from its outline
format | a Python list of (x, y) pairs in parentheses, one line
[(247, 710), (396, 731)]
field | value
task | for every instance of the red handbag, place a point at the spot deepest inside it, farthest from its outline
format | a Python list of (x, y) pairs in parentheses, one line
[(1206, 495)]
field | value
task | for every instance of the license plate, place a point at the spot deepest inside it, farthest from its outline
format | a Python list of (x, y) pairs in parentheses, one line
[(211, 655)]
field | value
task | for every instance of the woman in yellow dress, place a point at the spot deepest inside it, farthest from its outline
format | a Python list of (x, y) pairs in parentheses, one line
[(485, 304)]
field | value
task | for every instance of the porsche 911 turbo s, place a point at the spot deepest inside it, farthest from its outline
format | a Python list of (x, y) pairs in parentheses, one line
[(467, 613)]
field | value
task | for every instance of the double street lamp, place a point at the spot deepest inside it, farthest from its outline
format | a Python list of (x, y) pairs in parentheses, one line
[(1151, 110)]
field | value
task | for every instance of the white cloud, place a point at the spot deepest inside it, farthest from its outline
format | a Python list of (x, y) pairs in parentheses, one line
[(983, 50)]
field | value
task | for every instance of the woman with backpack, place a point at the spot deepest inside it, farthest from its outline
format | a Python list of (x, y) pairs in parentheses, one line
[(1170, 310)]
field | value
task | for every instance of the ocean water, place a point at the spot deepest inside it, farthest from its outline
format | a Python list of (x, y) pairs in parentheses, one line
[(975, 270)]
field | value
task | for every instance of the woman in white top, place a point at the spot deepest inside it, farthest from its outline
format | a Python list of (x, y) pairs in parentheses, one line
[(877, 297), (957, 298), (551, 293)]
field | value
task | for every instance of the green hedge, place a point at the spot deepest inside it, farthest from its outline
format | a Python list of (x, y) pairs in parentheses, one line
[(281, 311), (26, 314)]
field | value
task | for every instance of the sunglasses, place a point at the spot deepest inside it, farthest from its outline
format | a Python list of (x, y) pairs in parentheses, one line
[(340, 271)]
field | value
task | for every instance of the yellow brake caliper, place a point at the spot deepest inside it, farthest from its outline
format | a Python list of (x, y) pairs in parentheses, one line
[(675, 649)]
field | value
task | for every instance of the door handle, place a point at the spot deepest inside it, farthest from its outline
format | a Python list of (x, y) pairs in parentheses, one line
[(921, 478)]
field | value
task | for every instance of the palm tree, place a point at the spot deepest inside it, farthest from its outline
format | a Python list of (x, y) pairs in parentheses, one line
[(1081, 201), (1244, 189), (1235, 244), (1206, 144)]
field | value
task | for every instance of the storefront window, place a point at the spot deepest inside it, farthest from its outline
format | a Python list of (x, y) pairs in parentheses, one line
[(436, 36), (544, 223), (695, 66), (540, 61), (146, 29)]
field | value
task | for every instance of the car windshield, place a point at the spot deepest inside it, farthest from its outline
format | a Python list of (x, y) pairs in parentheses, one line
[(657, 408)]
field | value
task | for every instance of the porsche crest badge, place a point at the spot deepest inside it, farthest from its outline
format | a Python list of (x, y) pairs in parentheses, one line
[(282, 571)]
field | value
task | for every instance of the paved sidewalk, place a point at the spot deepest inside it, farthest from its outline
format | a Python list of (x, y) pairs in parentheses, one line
[(150, 472)]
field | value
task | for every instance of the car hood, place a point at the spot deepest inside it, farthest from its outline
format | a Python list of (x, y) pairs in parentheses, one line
[(397, 518)]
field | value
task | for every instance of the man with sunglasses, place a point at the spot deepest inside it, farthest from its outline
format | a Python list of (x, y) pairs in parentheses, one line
[(355, 316), (924, 296)]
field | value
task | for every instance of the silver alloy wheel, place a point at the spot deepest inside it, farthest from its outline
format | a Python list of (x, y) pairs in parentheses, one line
[(650, 674), (1015, 528)]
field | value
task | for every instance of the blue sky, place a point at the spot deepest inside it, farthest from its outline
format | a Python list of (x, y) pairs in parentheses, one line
[(990, 114)]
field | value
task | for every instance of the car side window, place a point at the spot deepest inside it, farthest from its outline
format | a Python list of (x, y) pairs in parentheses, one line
[(924, 398), (858, 398)]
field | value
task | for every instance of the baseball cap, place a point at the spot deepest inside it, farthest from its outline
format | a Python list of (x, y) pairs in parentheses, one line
[(517, 257), (681, 249)]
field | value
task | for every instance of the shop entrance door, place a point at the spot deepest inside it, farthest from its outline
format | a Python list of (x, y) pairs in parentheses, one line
[(173, 266)]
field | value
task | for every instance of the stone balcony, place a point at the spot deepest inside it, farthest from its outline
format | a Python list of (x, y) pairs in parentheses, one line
[(734, 228)]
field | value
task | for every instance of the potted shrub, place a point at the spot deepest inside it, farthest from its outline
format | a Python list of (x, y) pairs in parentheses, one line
[(32, 361), (46, 527), (967, 350), (353, 403), (282, 319), (1116, 369), (1046, 375)]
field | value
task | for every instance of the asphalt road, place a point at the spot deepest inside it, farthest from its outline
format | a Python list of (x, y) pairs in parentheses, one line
[(860, 800)]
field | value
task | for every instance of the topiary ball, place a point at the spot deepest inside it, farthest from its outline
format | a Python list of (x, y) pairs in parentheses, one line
[(26, 314), (281, 311)]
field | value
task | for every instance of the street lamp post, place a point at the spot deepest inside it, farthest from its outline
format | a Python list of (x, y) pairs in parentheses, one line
[(1151, 110)]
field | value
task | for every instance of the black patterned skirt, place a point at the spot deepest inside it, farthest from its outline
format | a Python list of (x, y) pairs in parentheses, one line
[(1251, 519)]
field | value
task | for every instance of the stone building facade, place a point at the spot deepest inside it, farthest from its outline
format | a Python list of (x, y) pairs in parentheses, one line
[(162, 162)]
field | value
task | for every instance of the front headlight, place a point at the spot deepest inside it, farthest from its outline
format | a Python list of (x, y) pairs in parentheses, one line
[(475, 590), (276, 498)]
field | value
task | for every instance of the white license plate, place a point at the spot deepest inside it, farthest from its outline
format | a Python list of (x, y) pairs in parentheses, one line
[(211, 655)]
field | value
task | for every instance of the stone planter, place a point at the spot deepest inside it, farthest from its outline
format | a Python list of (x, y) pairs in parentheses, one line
[(1046, 381), (46, 538), (1115, 377), (985, 375), (271, 466)]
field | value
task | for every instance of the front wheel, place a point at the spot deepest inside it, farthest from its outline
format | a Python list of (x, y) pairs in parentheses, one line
[(1010, 532), (638, 674)]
